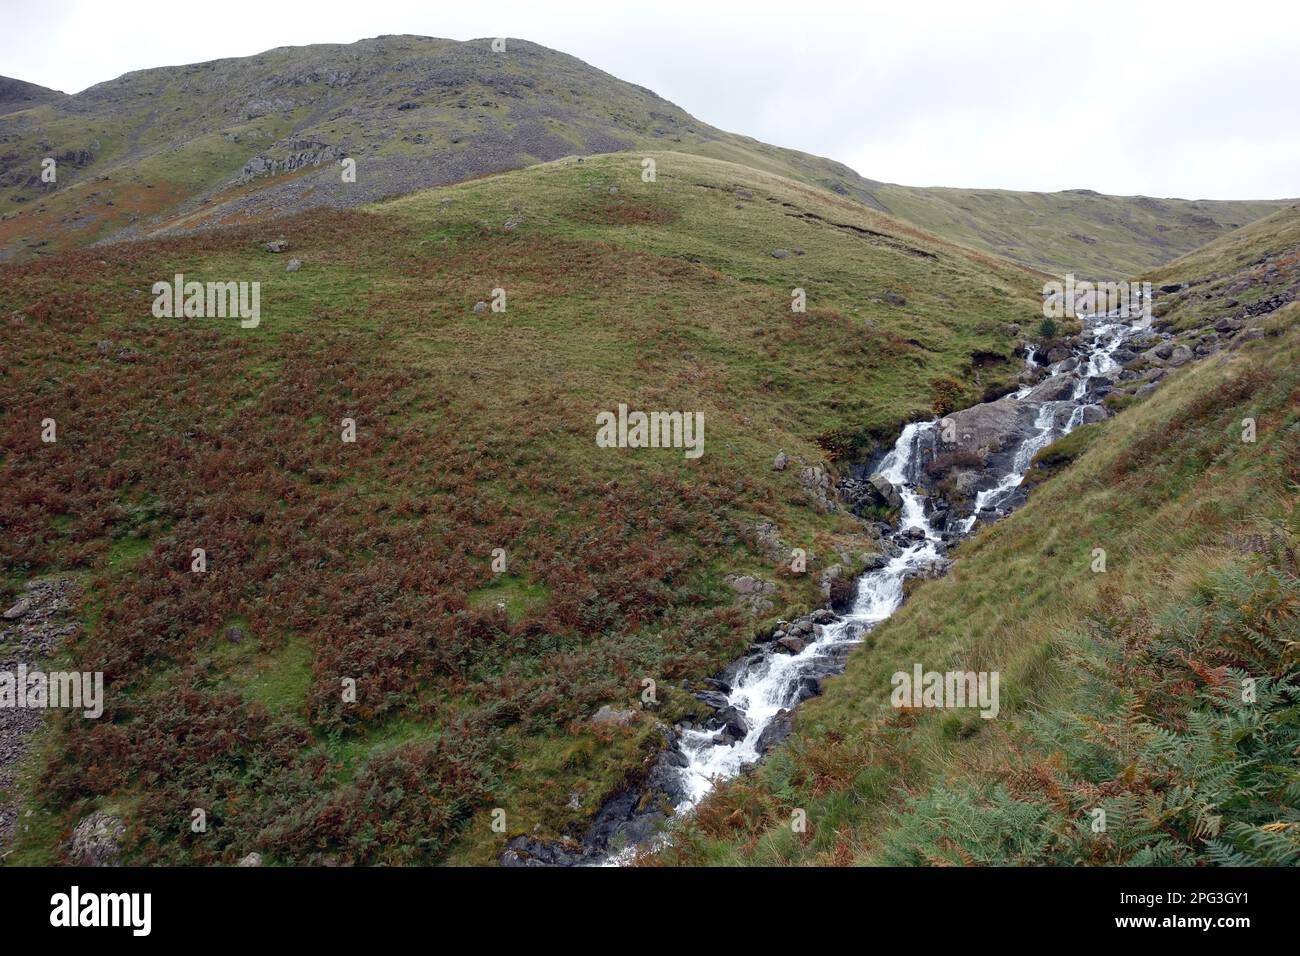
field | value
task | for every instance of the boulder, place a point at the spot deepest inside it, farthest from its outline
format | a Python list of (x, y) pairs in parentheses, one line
[(1052, 389), (886, 490), (792, 644), (609, 715), (276, 245), (18, 610), (95, 840), (293, 266), (780, 462)]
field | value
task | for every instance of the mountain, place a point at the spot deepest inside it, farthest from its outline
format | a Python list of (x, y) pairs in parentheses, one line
[(218, 142), (179, 148), (18, 95)]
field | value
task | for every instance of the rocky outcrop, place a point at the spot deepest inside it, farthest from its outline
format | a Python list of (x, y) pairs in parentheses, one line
[(96, 840)]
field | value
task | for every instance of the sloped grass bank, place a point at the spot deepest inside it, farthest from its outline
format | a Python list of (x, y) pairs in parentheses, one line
[(1122, 690)]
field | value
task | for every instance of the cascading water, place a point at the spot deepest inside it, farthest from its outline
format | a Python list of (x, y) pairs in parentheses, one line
[(771, 684)]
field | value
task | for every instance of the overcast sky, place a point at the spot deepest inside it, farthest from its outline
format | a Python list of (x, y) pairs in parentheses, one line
[(1186, 99)]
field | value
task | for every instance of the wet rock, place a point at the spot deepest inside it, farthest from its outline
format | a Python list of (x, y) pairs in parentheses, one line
[(712, 698), (777, 730), (806, 687), (732, 722), (1052, 389), (791, 644), (886, 491)]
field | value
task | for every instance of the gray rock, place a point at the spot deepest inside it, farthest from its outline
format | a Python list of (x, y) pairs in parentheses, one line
[(253, 859), (95, 840), (792, 644), (610, 715), (277, 245), (780, 253), (1180, 356), (18, 610), (1052, 389), (480, 308), (293, 266), (780, 462), (886, 490)]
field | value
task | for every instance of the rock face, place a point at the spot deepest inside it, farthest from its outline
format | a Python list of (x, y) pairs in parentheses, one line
[(96, 839)]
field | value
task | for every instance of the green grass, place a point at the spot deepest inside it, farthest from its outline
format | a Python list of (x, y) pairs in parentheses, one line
[(475, 431), (1088, 234), (1171, 493)]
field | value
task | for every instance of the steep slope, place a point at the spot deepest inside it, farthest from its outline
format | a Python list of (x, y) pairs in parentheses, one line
[(20, 95), (179, 148), (232, 139), (1158, 686), (1076, 231), (373, 560)]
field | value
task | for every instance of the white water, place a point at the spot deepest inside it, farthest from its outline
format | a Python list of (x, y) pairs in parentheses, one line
[(766, 687)]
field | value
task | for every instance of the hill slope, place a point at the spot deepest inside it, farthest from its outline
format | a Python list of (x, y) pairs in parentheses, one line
[(178, 148), (1077, 231), (373, 560), (1161, 690), (20, 95)]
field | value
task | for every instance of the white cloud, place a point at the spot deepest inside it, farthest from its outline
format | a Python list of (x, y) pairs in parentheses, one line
[(1188, 99)]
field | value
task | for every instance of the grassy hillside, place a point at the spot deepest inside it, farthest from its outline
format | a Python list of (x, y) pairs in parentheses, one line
[(228, 141), (372, 560), (1077, 231), (1121, 690)]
